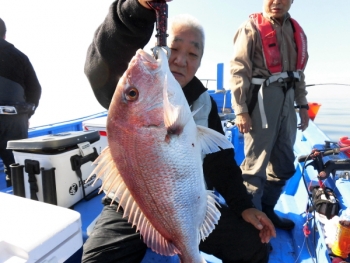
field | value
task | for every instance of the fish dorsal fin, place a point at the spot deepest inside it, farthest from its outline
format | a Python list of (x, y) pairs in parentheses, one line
[(211, 140), (113, 184), (212, 216)]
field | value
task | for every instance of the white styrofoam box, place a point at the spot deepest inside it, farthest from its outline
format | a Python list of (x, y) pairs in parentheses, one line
[(68, 186), (98, 124), (32, 231)]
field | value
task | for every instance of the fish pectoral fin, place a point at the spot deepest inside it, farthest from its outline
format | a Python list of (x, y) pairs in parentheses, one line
[(212, 216), (211, 140), (175, 117), (195, 112)]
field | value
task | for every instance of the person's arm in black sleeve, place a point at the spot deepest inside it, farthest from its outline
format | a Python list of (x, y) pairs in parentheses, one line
[(127, 27), (222, 172), (32, 86)]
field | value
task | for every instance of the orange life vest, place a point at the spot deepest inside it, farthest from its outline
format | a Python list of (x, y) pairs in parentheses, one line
[(270, 47)]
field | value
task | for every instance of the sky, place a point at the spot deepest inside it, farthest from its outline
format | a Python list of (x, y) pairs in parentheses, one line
[(55, 36)]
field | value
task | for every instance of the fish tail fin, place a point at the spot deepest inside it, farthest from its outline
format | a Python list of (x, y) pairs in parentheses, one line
[(212, 216)]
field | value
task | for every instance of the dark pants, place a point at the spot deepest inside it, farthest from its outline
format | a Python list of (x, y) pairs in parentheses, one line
[(114, 240), (12, 127)]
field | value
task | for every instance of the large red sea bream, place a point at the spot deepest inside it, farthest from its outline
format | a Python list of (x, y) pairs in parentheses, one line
[(153, 164)]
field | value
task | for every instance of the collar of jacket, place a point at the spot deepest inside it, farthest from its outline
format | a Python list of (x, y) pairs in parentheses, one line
[(193, 90), (274, 21)]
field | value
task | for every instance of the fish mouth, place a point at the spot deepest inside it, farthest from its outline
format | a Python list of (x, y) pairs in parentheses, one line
[(150, 63), (145, 56)]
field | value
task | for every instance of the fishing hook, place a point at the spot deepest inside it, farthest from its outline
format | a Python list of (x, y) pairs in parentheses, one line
[(161, 9)]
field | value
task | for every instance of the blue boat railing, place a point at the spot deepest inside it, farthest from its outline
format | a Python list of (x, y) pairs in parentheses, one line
[(222, 98), (71, 125)]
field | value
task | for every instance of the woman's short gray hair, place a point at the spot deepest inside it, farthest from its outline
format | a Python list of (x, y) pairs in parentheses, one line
[(186, 20)]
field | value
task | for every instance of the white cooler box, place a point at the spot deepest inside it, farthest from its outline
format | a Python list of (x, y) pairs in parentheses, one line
[(97, 124), (35, 232), (54, 168)]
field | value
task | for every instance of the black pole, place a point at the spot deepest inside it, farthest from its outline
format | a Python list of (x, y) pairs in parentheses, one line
[(49, 186), (18, 179)]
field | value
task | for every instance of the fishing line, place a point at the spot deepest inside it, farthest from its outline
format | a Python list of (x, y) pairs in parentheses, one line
[(307, 211), (296, 260), (308, 249), (320, 84)]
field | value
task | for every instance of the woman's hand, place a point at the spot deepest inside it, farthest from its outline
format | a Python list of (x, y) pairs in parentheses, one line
[(144, 3), (261, 222)]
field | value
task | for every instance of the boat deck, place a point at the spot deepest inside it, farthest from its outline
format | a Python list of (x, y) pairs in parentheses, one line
[(289, 246), (284, 246)]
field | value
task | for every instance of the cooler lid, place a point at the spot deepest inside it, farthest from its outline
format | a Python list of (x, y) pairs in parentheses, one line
[(30, 230), (54, 142)]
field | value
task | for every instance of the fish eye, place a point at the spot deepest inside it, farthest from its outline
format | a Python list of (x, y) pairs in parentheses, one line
[(131, 94)]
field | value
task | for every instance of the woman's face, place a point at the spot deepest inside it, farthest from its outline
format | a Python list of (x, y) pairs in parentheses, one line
[(186, 53)]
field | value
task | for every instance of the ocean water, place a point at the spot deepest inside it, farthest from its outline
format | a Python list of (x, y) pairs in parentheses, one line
[(333, 116)]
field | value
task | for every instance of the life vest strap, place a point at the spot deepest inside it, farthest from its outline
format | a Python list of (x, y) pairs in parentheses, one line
[(258, 96), (280, 77)]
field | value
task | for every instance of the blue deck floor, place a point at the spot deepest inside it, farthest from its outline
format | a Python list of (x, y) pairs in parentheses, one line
[(288, 247), (282, 246)]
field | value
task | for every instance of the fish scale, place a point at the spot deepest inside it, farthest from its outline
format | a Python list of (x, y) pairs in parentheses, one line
[(155, 158)]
